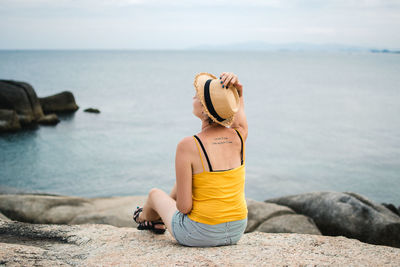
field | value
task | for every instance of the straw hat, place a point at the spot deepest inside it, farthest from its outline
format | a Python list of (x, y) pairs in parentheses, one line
[(220, 104)]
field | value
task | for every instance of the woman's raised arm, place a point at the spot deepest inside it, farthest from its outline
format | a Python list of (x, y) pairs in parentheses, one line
[(240, 121)]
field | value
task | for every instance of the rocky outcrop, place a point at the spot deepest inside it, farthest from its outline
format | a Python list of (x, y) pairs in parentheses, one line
[(347, 214), (326, 213), (9, 121), (49, 209), (20, 106), (50, 119), (273, 218), (59, 103), (24, 244), (117, 211), (21, 97)]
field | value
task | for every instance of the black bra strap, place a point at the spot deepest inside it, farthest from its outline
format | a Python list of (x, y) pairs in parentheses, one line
[(241, 140), (205, 153)]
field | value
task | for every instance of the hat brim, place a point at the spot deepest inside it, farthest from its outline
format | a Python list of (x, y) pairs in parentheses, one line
[(199, 81)]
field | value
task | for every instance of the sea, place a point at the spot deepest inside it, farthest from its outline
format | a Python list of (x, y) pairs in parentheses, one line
[(318, 121)]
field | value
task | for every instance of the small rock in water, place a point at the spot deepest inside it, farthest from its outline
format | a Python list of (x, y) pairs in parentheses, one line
[(92, 110)]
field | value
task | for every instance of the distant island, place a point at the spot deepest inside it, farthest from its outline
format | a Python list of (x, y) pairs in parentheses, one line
[(385, 51), (298, 46)]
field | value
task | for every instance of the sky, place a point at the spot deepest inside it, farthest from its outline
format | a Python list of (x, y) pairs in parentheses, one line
[(181, 24)]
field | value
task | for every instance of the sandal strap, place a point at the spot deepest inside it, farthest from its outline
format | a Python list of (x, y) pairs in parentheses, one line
[(136, 214)]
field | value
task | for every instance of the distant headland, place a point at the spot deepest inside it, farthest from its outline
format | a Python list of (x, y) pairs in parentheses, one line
[(293, 47)]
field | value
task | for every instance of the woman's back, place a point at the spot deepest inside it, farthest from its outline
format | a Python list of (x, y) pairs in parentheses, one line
[(218, 188), (223, 147)]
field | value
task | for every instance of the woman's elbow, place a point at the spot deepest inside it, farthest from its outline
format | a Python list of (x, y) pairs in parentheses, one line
[(185, 209)]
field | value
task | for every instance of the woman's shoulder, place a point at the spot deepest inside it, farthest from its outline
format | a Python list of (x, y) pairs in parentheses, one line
[(186, 144), (243, 132)]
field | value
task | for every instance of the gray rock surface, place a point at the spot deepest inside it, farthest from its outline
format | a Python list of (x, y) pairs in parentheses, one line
[(117, 211), (50, 119), (347, 214), (2, 217), (23, 244), (21, 97), (49, 209), (289, 223), (9, 120), (59, 103), (392, 208), (273, 218)]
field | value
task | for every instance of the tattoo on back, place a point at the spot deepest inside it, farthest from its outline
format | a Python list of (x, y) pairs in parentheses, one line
[(221, 140)]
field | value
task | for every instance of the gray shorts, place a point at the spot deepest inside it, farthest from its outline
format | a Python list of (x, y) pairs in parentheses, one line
[(194, 234)]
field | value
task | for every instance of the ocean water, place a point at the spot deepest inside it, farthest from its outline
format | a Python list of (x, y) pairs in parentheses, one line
[(317, 121)]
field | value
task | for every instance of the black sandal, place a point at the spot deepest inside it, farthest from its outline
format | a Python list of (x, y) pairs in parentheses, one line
[(147, 225)]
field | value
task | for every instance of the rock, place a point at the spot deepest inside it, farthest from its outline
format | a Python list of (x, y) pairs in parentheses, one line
[(392, 208), (25, 244), (4, 218), (63, 102), (9, 121), (92, 110), (21, 97), (50, 119), (42, 208), (347, 214), (116, 211), (289, 223), (273, 218), (258, 212)]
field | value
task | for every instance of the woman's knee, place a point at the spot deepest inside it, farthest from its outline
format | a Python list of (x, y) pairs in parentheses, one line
[(154, 191)]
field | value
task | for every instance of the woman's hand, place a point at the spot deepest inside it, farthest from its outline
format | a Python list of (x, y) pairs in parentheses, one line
[(230, 79)]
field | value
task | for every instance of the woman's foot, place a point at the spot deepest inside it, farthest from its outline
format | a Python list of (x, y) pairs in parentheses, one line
[(157, 226)]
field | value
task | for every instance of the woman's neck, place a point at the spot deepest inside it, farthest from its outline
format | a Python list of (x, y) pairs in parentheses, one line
[(206, 125)]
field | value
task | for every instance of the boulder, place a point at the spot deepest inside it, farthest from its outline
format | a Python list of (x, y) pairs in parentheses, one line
[(63, 102), (92, 110), (4, 218), (289, 223), (25, 244), (258, 212), (9, 120), (347, 214), (50, 119), (392, 208), (42, 208), (52, 209), (273, 218), (21, 97)]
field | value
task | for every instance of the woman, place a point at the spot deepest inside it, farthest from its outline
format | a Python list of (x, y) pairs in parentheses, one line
[(206, 206)]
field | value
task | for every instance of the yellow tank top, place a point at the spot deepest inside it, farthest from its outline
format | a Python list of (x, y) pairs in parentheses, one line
[(218, 196)]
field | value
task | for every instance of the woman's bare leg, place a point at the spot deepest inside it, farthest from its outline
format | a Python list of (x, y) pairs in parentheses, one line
[(159, 204), (151, 213)]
